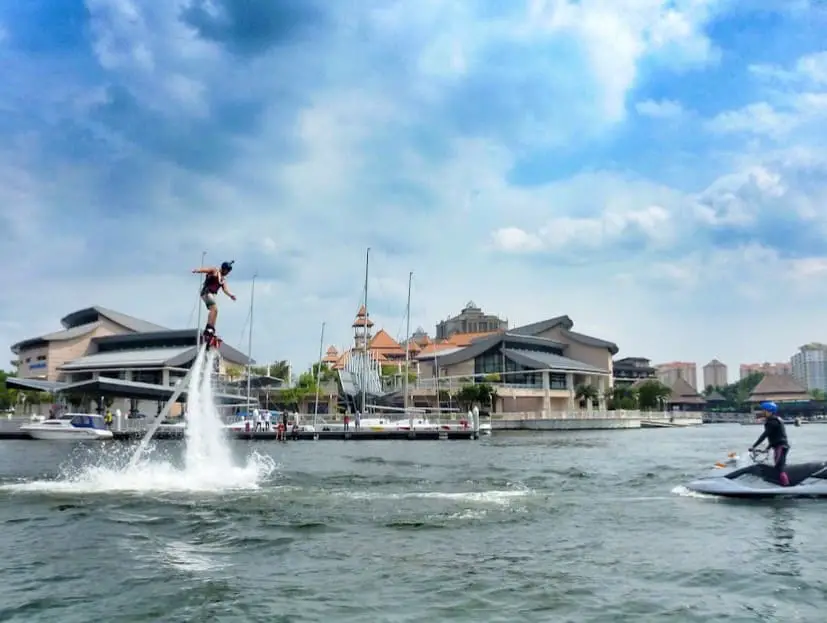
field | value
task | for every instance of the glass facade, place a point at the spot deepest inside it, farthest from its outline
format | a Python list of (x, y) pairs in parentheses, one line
[(512, 373), (112, 374), (147, 376)]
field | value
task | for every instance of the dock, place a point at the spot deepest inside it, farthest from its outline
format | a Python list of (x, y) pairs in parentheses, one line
[(10, 429), (328, 435), (265, 435)]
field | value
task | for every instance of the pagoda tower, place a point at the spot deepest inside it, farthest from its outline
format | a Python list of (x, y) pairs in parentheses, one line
[(362, 329)]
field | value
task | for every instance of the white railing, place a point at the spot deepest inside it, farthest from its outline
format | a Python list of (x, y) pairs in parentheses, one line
[(455, 384), (365, 371)]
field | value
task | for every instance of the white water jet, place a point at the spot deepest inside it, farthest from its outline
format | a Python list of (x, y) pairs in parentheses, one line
[(208, 458), (208, 451)]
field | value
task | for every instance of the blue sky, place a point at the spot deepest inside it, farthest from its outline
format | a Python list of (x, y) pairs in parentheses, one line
[(656, 169)]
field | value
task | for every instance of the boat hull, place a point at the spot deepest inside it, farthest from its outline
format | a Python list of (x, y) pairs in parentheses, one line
[(723, 487), (76, 434)]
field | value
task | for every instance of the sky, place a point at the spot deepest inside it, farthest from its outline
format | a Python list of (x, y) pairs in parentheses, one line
[(655, 169)]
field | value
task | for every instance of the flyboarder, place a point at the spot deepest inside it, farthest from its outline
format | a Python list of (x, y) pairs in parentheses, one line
[(216, 280)]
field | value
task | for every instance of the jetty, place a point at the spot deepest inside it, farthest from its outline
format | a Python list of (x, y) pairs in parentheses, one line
[(593, 420), (333, 430)]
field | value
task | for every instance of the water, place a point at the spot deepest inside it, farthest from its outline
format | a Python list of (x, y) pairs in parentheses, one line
[(568, 527)]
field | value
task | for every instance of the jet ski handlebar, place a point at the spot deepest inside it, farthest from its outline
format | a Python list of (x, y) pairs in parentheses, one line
[(758, 454)]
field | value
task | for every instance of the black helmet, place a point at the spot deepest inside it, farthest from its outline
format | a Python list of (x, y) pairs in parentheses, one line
[(226, 267)]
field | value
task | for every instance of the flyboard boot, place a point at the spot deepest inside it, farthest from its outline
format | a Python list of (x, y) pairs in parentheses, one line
[(210, 339)]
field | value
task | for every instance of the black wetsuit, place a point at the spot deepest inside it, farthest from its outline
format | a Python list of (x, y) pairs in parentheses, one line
[(776, 435)]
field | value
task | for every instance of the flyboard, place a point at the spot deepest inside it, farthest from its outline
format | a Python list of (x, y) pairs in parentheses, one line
[(210, 342)]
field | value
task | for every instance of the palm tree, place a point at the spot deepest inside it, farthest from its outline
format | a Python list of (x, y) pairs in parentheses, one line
[(586, 394), (621, 397), (653, 394)]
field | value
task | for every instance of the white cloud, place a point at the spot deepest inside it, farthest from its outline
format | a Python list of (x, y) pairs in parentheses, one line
[(515, 240), (663, 109), (799, 101), (350, 171), (635, 28), (759, 118), (810, 68)]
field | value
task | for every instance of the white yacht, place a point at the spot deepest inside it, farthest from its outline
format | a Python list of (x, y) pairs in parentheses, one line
[(69, 426)]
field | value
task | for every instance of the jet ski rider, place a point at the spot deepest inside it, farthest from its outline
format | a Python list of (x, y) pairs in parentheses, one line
[(776, 435)]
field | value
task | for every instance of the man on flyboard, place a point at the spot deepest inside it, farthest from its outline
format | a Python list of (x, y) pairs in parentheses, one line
[(216, 280)]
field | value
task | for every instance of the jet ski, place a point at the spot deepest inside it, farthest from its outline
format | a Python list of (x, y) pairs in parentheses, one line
[(759, 479)]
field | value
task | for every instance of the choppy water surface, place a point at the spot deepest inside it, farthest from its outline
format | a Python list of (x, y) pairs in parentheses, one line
[(553, 527)]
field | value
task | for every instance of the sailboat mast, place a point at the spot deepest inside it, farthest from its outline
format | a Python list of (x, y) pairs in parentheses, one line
[(408, 347), (250, 343), (318, 379), (365, 344), (200, 285)]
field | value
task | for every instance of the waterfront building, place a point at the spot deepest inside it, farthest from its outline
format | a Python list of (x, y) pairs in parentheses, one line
[(684, 397), (470, 320), (381, 349), (715, 374), (669, 373), (629, 370), (101, 352), (809, 366), (783, 368), (780, 389), (535, 367)]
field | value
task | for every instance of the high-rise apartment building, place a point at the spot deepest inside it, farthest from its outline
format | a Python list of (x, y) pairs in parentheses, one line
[(809, 366), (781, 368), (715, 374), (668, 373)]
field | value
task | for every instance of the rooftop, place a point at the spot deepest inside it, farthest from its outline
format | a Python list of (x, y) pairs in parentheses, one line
[(684, 393), (566, 324), (538, 360), (111, 387), (138, 358), (94, 313), (779, 388), (84, 321)]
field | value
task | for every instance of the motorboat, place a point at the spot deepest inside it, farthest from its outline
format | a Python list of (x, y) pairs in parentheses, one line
[(69, 426), (759, 479)]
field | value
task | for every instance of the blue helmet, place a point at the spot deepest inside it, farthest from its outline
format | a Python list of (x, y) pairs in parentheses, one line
[(769, 406)]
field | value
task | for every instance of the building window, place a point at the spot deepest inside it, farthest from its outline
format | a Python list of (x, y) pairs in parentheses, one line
[(147, 376), (513, 374), (557, 381), (112, 374), (488, 363), (41, 357), (174, 377)]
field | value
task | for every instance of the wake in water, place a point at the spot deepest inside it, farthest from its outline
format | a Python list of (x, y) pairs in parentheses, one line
[(208, 461)]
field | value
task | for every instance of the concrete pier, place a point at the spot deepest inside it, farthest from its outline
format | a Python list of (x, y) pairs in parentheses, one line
[(593, 420)]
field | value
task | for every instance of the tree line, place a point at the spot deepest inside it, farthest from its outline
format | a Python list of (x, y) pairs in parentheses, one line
[(735, 395)]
